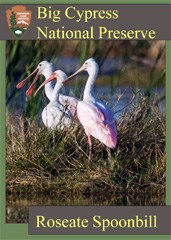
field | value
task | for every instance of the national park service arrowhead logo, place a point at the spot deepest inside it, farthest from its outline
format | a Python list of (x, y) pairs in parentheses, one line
[(18, 19)]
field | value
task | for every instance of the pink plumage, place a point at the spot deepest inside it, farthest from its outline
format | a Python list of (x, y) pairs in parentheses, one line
[(95, 124), (96, 118)]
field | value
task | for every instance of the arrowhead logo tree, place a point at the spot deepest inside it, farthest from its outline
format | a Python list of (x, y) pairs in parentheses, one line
[(18, 19)]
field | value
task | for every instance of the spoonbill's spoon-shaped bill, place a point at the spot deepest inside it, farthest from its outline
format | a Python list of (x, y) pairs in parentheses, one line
[(82, 69), (52, 77), (31, 88), (23, 82), (44, 68)]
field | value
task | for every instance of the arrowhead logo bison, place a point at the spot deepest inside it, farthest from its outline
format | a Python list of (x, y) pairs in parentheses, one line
[(18, 19)]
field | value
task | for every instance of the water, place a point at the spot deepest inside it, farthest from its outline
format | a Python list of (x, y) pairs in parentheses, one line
[(17, 206), (119, 99)]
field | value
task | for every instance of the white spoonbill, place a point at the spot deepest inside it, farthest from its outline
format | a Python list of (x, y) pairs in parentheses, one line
[(46, 69), (96, 117), (55, 115)]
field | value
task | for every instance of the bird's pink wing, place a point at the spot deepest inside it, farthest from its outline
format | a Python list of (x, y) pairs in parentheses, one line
[(93, 121)]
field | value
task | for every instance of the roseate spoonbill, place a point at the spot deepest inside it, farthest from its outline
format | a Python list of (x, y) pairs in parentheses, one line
[(46, 69), (55, 115), (96, 118)]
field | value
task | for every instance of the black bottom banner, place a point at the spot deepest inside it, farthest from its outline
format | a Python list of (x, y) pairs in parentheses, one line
[(99, 220)]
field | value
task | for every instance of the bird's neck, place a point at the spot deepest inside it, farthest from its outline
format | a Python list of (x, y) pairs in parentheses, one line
[(89, 94), (56, 90), (49, 87)]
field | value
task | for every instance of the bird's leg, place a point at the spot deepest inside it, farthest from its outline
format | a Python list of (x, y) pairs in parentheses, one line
[(109, 157), (53, 138), (90, 147)]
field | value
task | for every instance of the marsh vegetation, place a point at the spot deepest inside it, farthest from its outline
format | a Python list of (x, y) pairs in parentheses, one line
[(38, 166)]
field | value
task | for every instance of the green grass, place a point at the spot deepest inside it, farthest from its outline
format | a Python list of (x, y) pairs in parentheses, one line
[(37, 165)]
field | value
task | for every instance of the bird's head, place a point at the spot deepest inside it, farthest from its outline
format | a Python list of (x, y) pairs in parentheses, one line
[(40, 70), (43, 66), (58, 75), (89, 66)]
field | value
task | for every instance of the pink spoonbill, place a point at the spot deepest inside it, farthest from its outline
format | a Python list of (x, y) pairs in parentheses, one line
[(96, 117)]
